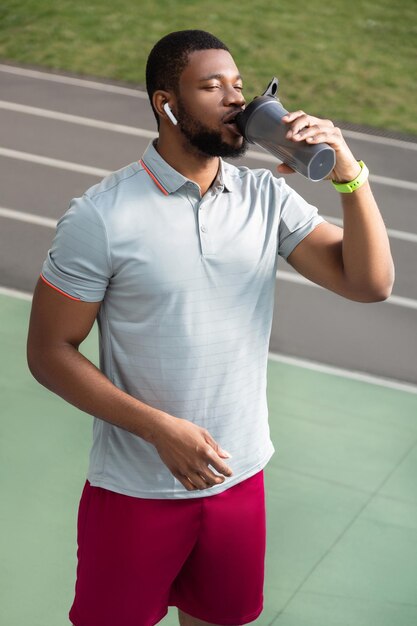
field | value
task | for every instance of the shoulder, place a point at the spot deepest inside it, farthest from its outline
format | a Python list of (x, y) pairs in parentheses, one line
[(120, 189), (254, 178), (115, 183)]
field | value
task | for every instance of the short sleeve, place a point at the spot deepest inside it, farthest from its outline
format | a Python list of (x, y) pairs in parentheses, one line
[(78, 262), (297, 220)]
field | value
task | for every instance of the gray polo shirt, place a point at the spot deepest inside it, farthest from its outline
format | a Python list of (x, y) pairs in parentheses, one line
[(187, 290)]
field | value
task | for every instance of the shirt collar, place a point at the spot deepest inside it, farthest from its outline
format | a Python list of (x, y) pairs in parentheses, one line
[(164, 176), (169, 180), (225, 175)]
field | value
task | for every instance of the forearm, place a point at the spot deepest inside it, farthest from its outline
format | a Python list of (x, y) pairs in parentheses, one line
[(188, 451), (66, 372), (367, 261), (355, 261)]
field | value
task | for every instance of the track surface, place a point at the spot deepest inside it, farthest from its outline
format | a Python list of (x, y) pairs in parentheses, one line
[(309, 322), (341, 496)]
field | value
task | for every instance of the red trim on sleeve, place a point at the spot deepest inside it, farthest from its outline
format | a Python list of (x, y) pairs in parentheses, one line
[(157, 183), (59, 290)]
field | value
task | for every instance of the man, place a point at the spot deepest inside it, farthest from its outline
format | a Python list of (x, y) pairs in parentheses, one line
[(176, 257)]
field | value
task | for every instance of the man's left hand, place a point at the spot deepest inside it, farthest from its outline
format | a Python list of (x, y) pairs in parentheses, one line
[(313, 130)]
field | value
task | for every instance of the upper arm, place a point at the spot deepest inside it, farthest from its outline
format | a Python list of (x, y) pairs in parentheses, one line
[(57, 321), (319, 258)]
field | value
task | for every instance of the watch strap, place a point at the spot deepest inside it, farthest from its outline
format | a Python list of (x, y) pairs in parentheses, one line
[(354, 184)]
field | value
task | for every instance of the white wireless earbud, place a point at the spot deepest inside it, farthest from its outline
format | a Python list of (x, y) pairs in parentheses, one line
[(170, 114)]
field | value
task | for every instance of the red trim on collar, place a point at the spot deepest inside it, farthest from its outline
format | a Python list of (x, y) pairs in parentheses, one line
[(155, 180)]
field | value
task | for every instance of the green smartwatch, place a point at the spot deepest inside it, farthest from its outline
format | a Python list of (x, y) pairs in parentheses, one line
[(354, 184)]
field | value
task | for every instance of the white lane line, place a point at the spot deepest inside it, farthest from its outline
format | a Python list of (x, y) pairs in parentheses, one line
[(50, 162), (392, 182), (95, 171), (69, 80), (291, 277), (374, 178), (385, 141), (77, 119), (407, 303), (148, 134), (46, 221), (344, 373), (280, 358), (15, 293), (392, 232), (400, 234), (280, 275), (28, 218), (136, 93)]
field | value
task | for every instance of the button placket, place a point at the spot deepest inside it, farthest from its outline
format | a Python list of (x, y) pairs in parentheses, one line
[(202, 216)]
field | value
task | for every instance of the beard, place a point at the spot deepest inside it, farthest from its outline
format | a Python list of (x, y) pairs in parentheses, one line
[(207, 141)]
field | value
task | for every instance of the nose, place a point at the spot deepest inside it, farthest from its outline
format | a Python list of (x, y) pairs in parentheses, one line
[(234, 97)]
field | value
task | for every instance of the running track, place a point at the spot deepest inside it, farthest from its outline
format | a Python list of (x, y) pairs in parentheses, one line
[(341, 488), (60, 134)]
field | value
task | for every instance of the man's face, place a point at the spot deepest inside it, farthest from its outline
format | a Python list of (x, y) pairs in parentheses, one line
[(209, 94)]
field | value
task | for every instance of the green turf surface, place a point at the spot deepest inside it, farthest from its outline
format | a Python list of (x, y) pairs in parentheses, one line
[(341, 496), (351, 61)]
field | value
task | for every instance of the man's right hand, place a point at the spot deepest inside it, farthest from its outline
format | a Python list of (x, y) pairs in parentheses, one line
[(58, 326), (188, 450)]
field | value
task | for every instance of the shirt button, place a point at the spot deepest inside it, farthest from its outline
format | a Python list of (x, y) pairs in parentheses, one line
[(203, 229)]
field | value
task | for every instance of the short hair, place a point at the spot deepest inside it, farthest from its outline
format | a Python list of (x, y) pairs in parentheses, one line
[(169, 57)]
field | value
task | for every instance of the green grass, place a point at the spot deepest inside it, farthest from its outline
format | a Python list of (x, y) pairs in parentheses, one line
[(350, 61)]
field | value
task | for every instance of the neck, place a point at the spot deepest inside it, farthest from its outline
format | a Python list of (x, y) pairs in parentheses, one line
[(190, 163)]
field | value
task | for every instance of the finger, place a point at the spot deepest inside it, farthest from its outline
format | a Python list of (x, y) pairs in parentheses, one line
[(319, 134), (213, 455), (291, 116), (186, 482), (216, 447), (303, 125), (215, 460), (211, 478), (219, 465), (283, 168), (196, 479), (331, 136), (317, 137), (223, 453), (203, 477), (302, 120), (301, 134)]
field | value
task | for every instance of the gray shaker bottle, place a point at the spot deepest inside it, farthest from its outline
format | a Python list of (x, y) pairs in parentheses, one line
[(260, 123)]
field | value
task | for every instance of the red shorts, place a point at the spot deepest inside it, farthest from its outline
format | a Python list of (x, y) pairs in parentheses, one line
[(137, 556)]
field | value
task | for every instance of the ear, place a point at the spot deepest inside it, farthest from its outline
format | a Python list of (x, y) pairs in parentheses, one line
[(160, 100)]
